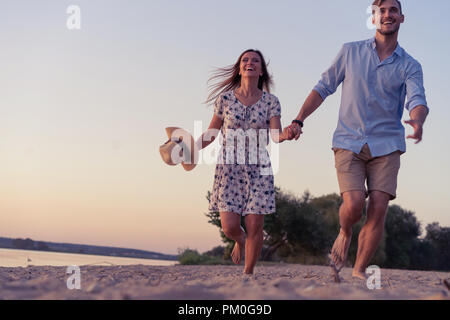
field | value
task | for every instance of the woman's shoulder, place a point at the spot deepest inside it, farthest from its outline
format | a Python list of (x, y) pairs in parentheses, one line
[(270, 98), (227, 95)]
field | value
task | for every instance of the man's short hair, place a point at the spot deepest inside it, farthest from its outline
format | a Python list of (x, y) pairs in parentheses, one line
[(380, 2)]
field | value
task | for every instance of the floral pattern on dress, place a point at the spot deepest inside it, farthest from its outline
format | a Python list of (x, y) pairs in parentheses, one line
[(240, 187)]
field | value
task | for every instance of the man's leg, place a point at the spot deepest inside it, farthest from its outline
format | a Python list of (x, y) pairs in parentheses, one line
[(372, 231), (350, 213), (382, 175)]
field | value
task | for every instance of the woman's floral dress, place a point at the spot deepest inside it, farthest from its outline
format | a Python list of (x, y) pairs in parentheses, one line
[(243, 180)]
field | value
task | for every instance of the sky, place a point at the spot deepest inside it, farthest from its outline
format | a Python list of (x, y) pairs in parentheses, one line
[(83, 111)]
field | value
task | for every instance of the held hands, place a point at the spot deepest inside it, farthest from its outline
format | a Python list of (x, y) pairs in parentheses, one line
[(418, 130), (292, 132)]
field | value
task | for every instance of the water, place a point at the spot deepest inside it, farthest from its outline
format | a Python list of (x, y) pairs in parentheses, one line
[(24, 258)]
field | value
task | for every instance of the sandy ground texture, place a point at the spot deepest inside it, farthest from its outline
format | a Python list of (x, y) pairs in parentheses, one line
[(284, 282)]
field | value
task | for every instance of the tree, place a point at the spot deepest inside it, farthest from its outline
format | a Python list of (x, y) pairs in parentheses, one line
[(439, 239), (42, 246), (22, 244), (423, 255), (402, 230), (295, 230)]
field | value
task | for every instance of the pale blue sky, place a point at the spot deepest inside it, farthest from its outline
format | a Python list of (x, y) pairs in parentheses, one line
[(82, 113)]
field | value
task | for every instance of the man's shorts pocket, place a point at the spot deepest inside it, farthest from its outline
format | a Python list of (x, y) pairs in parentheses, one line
[(343, 160)]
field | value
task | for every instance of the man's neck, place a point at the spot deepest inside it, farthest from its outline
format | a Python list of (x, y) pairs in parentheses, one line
[(386, 44)]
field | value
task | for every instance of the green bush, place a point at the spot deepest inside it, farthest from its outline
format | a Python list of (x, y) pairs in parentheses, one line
[(193, 257)]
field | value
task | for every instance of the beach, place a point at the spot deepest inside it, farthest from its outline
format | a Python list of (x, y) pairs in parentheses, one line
[(180, 282)]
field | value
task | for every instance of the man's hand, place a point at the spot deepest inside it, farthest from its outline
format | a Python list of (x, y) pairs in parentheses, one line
[(294, 131), (285, 135), (418, 130)]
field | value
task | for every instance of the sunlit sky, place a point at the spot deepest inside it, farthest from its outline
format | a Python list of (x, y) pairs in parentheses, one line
[(83, 112)]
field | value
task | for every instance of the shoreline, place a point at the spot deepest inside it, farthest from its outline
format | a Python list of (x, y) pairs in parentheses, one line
[(172, 257), (181, 282), (12, 258)]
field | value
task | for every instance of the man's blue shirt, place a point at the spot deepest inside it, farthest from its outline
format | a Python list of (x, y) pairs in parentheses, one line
[(373, 96)]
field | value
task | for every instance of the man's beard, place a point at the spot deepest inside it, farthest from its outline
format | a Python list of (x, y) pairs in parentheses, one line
[(388, 33)]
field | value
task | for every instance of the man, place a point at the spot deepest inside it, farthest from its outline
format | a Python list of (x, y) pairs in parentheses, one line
[(377, 75)]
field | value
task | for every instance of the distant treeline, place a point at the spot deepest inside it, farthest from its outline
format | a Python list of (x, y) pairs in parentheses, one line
[(303, 231), (29, 244)]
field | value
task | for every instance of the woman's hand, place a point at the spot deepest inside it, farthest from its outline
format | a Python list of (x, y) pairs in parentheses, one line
[(285, 135), (210, 134), (291, 132)]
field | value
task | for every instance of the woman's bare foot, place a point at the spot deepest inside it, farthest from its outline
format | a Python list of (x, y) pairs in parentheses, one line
[(340, 250), (238, 250), (359, 274)]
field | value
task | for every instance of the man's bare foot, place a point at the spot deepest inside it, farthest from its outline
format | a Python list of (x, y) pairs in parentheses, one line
[(359, 274), (334, 270), (340, 250)]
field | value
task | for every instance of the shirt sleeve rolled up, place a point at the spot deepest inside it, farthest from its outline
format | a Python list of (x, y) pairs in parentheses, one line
[(415, 91), (332, 78)]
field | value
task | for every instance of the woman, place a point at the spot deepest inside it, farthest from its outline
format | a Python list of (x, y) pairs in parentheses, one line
[(242, 109)]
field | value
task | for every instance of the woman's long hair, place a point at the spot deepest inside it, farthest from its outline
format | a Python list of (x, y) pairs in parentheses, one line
[(228, 78)]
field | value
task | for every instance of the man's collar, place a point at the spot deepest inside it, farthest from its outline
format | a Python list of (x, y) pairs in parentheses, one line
[(398, 50), (372, 43)]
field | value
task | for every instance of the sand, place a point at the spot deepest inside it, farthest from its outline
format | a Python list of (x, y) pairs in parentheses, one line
[(278, 282)]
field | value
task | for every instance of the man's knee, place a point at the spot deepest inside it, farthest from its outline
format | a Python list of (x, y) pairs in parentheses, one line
[(354, 202), (379, 202), (377, 207)]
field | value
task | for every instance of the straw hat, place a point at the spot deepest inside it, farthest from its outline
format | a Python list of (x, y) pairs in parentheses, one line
[(180, 148)]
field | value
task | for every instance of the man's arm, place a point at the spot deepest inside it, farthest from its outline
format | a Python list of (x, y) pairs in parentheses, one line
[(417, 103), (418, 116), (312, 102), (327, 85)]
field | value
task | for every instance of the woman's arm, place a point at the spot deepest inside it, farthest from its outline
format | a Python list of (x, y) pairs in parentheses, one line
[(211, 133), (278, 135)]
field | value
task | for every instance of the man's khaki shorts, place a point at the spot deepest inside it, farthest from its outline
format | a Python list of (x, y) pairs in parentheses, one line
[(354, 169)]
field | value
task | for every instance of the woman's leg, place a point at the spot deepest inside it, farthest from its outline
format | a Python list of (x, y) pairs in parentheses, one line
[(254, 224), (231, 226)]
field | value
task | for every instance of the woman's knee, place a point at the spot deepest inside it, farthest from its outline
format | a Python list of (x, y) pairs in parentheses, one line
[(231, 224), (254, 225), (231, 231)]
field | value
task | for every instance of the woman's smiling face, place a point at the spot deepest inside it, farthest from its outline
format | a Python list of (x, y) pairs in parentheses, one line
[(251, 65)]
